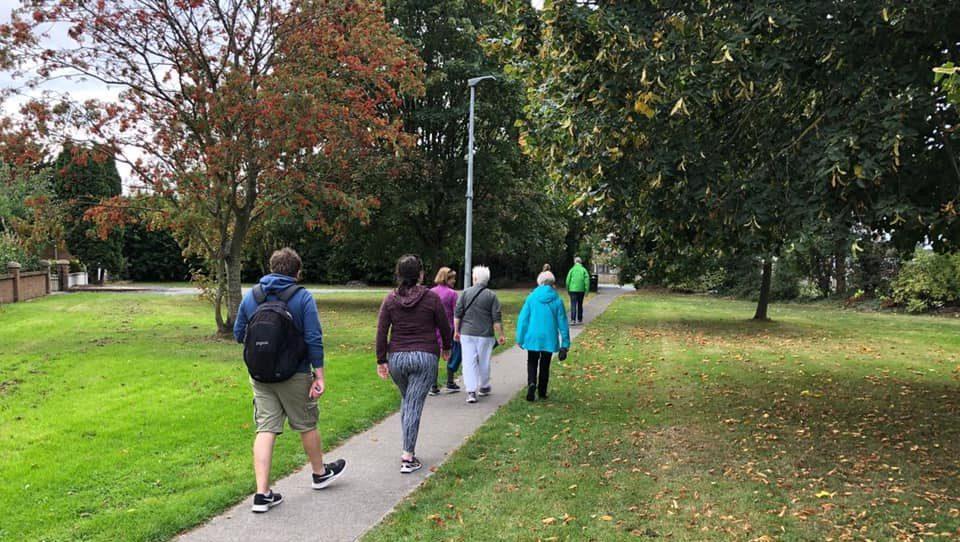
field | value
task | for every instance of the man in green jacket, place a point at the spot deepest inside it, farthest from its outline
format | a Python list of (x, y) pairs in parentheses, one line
[(578, 281)]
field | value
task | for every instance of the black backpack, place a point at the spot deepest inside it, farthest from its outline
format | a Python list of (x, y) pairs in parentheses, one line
[(273, 346)]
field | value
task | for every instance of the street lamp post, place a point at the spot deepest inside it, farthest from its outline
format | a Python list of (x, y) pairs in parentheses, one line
[(468, 245)]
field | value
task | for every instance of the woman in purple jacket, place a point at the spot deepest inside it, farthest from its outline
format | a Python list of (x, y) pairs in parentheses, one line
[(446, 281), (407, 348)]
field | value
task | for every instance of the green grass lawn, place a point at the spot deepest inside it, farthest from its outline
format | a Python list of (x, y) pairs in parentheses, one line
[(676, 418), (123, 418)]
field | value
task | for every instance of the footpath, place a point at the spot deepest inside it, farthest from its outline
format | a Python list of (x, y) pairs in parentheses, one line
[(372, 484)]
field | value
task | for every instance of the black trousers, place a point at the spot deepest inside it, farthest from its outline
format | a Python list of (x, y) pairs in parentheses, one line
[(576, 306), (538, 360)]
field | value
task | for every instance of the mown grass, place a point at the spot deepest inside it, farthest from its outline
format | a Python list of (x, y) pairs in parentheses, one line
[(677, 418), (123, 418)]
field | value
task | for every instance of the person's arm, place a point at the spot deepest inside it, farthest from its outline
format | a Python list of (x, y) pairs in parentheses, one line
[(312, 332), (443, 325), (497, 315), (313, 337), (569, 276), (457, 316), (563, 325), (522, 323), (240, 325), (383, 327)]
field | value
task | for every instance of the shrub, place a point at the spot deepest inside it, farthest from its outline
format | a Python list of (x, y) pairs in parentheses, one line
[(928, 281), (12, 250)]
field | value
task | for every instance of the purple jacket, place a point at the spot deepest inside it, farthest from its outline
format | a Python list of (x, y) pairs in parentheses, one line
[(409, 322), (448, 298)]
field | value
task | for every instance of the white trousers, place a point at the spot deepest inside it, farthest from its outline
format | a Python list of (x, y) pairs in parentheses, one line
[(476, 361)]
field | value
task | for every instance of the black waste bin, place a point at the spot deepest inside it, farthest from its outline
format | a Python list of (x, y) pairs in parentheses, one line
[(594, 283)]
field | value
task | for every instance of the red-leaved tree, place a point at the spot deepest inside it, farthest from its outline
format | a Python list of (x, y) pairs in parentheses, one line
[(232, 112)]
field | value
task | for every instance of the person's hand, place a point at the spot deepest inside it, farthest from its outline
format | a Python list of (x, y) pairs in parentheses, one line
[(445, 355), (383, 369), (563, 354), (456, 336), (501, 340), (316, 390)]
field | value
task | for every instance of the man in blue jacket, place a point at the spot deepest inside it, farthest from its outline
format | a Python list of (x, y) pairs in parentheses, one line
[(542, 329), (294, 399)]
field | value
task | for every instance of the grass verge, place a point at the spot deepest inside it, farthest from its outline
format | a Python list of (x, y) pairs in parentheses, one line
[(677, 418), (122, 418)]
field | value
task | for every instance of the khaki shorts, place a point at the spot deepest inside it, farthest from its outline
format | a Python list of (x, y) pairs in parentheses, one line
[(277, 401)]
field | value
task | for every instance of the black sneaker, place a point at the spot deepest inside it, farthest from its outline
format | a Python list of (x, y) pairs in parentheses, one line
[(531, 392), (434, 391), (451, 387), (410, 465), (262, 503), (331, 472), (484, 391)]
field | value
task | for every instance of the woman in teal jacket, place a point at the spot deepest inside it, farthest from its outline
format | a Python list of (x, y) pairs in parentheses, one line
[(542, 329)]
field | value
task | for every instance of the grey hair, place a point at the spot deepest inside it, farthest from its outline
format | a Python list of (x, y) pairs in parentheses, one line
[(481, 274), (578, 259), (546, 278)]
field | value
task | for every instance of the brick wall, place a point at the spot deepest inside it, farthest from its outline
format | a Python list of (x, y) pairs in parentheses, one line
[(6, 289), (33, 285)]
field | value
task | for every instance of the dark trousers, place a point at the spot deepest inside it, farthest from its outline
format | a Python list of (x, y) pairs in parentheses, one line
[(538, 360), (456, 357), (576, 306)]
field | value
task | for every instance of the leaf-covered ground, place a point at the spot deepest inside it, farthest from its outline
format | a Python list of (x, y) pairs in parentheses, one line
[(677, 418)]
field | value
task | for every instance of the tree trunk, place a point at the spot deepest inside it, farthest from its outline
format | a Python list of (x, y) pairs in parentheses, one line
[(764, 300), (234, 293), (218, 297), (823, 275), (841, 268)]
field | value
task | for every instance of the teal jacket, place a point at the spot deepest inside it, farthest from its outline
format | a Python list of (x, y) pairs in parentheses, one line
[(578, 279), (542, 325)]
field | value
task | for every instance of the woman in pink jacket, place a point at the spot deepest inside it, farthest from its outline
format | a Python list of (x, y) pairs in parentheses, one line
[(445, 282)]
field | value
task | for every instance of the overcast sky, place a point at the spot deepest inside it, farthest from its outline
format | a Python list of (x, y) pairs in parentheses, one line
[(78, 89)]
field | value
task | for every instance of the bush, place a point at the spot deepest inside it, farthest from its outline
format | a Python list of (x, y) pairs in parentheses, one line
[(928, 281), (154, 256), (12, 250)]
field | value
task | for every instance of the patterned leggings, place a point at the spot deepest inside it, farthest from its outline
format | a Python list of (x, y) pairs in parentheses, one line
[(414, 373)]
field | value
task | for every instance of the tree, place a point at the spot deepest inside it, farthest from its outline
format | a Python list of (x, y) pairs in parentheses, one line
[(233, 112), (519, 221), (725, 128), (82, 178)]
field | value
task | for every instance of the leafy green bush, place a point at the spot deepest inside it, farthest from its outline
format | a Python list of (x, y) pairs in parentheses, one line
[(13, 250), (928, 281)]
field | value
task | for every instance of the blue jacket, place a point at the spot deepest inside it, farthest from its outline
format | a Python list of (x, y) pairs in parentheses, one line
[(303, 309), (542, 325)]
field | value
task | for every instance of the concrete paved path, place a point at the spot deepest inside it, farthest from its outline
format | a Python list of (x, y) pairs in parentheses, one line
[(372, 484)]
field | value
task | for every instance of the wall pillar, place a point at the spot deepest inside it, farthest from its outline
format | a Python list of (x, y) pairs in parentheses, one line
[(46, 276), (63, 270), (13, 268)]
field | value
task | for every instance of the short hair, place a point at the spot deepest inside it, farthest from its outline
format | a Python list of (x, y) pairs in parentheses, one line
[(285, 261), (546, 267), (481, 274), (578, 259), (546, 278), (443, 275)]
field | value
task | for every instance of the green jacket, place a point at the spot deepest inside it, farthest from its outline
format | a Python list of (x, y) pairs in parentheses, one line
[(578, 279)]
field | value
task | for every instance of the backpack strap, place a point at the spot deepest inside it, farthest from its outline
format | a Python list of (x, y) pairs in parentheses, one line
[(258, 294), (288, 292), (475, 296)]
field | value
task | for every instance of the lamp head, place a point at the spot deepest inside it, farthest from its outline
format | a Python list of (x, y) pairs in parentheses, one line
[(473, 82)]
